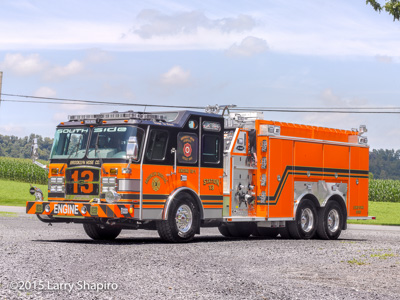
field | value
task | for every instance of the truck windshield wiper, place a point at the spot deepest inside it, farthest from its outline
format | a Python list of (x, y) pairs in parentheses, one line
[(75, 150), (96, 148)]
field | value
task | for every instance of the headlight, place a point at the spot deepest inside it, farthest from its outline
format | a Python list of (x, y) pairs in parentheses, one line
[(60, 179), (53, 188), (105, 180), (112, 197), (53, 180)]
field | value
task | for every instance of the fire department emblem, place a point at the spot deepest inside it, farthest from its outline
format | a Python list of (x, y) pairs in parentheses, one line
[(155, 184), (187, 150)]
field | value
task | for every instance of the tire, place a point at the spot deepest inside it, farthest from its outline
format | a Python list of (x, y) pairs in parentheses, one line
[(331, 220), (241, 229), (284, 233), (265, 232), (305, 224), (95, 232), (183, 221), (223, 229)]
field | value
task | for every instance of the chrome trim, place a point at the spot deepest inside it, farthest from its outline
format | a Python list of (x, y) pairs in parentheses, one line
[(128, 185), (333, 220), (233, 142), (361, 218), (307, 220), (184, 218), (280, 219), (321, 189), (172, 196), (199, 153), (316, 141), (141, 174)]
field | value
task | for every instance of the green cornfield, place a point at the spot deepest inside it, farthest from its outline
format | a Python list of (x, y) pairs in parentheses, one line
[(19, 169), (384, 190)]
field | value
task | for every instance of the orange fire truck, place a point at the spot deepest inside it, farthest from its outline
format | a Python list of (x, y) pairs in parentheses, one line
[(176, 172)]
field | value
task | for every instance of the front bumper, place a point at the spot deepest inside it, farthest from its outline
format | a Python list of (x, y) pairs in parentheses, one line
[(74, 209)]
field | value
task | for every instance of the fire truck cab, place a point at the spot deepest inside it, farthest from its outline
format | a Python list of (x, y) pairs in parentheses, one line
[(176, 172)]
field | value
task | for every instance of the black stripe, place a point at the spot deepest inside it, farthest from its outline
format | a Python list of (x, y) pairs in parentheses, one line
[(155, 197), (212, 197), (103, 208), (110, 213), (290, 170), (213, 203), (29, 206), (331, 170)]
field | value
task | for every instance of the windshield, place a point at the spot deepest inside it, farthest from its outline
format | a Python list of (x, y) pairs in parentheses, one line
[(110, 142), (70, 143)]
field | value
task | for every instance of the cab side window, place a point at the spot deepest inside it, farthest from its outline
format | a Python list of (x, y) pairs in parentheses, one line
[(158, 141), (211, 149)]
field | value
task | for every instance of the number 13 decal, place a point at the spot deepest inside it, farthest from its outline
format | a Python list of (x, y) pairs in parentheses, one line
[(87, 176)]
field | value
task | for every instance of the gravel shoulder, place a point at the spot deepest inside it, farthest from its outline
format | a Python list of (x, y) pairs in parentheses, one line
[(363, 263)]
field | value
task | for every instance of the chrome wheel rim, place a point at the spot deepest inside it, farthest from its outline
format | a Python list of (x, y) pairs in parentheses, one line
[(184, 218), (333, 220), (307, 220)]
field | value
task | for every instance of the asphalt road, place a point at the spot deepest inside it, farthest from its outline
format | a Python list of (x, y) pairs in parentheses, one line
[(61, 262)]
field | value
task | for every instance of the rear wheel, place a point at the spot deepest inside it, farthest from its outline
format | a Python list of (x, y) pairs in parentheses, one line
[(183, 219), (100, 232), (305, 224), (330, 221), (284, 233), (223, 229), (265, 232)]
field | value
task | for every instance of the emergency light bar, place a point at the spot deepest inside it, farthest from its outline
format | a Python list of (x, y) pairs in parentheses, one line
[(117, 116)]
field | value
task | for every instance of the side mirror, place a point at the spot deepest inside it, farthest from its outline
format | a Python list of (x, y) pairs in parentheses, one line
[(132, 148), (34, 150), (132, 153)]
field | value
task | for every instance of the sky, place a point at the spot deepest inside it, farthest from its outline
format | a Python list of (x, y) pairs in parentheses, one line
[(266, 53)]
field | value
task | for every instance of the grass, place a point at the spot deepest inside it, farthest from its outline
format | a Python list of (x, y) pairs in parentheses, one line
[(8, 214), (357, 262), (386, 213), (17, 193)]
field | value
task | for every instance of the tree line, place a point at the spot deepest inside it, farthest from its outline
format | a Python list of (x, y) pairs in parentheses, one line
[(383, 163), (20, 147)]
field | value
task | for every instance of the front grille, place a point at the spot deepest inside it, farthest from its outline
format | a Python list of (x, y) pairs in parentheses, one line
[(82, 181)]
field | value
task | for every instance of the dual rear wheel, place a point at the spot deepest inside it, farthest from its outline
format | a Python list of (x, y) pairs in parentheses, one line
[(324, 223)]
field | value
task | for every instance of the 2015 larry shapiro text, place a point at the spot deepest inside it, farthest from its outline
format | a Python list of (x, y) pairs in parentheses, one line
[(82, 285)]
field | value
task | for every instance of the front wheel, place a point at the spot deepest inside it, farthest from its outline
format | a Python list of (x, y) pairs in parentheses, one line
[(305, 224), (330, 221), (183, 219), (98, 232)]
